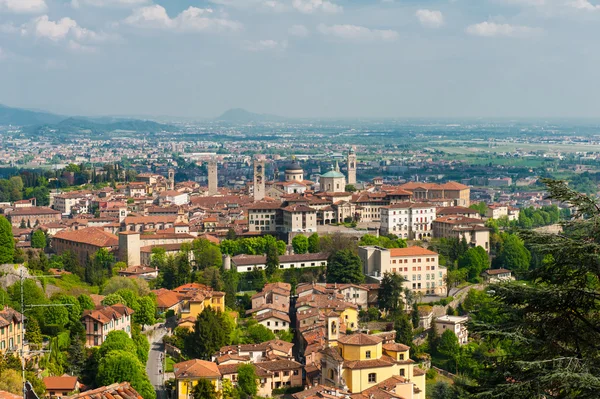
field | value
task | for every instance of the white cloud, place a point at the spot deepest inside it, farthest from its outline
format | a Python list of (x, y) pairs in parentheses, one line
[(310, 6), (43, 27), (265, 45), (584, 5), (108, 3), (24, 6), (492, 29), (298, 30), (430, 18), (80, 48), (526, 2), (192, 19), (357, 33)]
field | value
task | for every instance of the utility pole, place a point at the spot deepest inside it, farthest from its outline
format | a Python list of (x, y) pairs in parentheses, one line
[(23, 306)]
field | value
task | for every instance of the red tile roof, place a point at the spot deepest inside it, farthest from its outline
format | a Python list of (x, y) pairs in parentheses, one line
[(410, 251), (94, 236), (122, 390), (65, 383)]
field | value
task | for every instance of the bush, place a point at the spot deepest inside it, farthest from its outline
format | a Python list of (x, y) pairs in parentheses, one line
[(431, 374), (287, 391)]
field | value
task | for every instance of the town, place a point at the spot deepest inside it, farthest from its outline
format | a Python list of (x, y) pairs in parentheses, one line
[(191, 272)]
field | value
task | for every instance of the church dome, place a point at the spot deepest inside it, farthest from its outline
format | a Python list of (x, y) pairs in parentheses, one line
[(294, 167)]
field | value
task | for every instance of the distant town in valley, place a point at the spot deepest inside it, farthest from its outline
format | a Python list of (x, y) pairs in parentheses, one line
[(256, 256)]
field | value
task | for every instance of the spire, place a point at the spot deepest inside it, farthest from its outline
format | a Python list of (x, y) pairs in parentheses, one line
[(337, 166)]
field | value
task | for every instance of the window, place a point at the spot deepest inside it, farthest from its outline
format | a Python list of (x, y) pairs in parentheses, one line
[(402, 356), (372, 377), (268, 323), (286, 373), (402, 372), (368, 354), (295, 372)]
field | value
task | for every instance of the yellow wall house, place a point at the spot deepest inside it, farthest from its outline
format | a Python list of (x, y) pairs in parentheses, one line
[(189, 372), (193, 306), (358, 362)]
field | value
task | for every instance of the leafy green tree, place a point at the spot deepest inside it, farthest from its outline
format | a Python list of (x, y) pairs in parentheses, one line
[(258, 278), (119, 366), (314, 243), (38, 239), (231, 280), (272, 262), (404, 329), (76, 357), (448, 344), (206, 254), (7, 243), (443, 390), (117, 341), (212, 277), (141, 343), (33, 334), (344, 267), (204, 389), (145, 314), (71, 264), (551, 324), (73, 307), (258, 333), (247, 380), (475, 260), (300, 244), (391, 292), (85, 302), (56, 316), (211, 332), (513, 255), (113, 299)]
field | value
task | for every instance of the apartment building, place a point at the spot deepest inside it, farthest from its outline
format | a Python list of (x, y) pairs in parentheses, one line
[(263, 217), (472, 230), (66, 202), (408, 220), (84, 242), (33, 216), (246, 263), (10, 330), (299, 218), (103, 320), (456, 324), (419, 267)]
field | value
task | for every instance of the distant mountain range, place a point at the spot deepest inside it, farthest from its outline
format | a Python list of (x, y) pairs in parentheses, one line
[(239, 115), (39, 122)]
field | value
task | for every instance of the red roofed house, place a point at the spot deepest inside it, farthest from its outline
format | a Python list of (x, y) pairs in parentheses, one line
[(60, 386), (84, 242), (102, 320), (419, 266), (121, 390)]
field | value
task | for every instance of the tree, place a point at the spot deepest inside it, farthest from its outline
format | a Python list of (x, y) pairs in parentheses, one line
[(76, 357), (551, 325), (404, 329), (300, 244), (513, 255), (206, 254), (33, 334), (86, 302), (38, 239), (258, 333), (314, 243), (443, 390), (204, 389), (344, 267), (337, 242), (272, 262), (231, 280), (119, 366), (7, 243), (141, 342), (350, 188), (113, 299), (117, 341), (475, 260), (247, 380), (211, 332), (448, 344), (391, 292), (145, 314)]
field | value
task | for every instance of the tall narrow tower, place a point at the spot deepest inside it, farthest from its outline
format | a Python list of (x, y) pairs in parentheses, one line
[(351, 166), (171, 179), (212, 177), (259, 179)]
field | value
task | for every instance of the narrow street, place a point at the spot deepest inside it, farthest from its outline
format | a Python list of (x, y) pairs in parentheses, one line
[(154, 367)]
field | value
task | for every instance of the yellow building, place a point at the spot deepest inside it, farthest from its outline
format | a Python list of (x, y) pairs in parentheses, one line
[(189, 372), (357, 362), (198, 297)]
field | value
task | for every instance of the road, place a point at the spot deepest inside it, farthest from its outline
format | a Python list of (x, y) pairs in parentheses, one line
[(155, 364)]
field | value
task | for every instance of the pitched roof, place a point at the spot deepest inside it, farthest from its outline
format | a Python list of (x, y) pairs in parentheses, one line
[(107, 313), (8, 316), (248, 260), (196, 368), (122, 390), (94, 236), (280, 364), (360, 339), (167, 298), (33, 210), (396, 347), (9, 395), (63, 383), (411, 251)]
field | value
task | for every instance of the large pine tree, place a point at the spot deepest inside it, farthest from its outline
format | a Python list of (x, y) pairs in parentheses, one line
[(552, 323)]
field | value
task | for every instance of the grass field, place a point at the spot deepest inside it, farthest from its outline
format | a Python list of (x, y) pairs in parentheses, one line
[(169, 362)]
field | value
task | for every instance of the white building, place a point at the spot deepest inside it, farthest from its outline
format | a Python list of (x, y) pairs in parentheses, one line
[(456, 324), (419, 267), (246, 263), (173, 197), (408, 220)]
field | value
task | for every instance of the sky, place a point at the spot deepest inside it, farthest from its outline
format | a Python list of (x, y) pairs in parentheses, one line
[(303, 58)]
